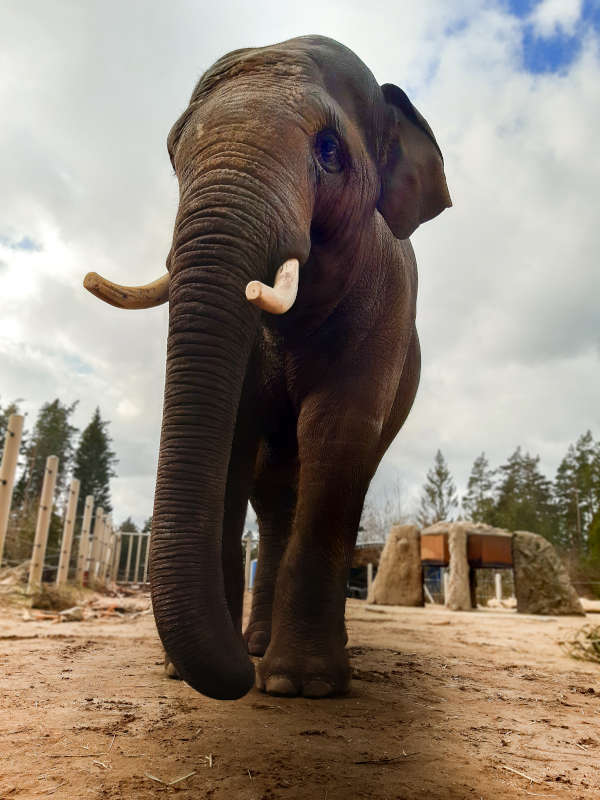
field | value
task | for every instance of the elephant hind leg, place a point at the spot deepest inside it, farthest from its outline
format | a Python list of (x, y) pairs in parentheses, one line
[(405, 394), (273, 497)]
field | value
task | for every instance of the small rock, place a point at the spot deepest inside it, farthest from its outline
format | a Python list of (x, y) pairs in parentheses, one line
[(74, 614)]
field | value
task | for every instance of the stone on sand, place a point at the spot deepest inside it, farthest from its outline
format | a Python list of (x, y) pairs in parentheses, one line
[(399, 579)]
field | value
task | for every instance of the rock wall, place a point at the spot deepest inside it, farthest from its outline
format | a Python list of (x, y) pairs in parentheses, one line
[(542, 585), (399, 579)]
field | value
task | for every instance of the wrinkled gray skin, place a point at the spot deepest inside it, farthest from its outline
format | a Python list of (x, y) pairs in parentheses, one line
[(289, 151)]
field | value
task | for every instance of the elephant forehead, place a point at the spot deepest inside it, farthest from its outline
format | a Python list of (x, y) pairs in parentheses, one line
[(296, 68), (265, 68)]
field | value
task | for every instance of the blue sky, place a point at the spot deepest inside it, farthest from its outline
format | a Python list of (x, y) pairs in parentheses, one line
[(24, 243), (555, 51)]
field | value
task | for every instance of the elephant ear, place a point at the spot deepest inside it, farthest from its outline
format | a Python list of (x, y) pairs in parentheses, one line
[(413, 184)]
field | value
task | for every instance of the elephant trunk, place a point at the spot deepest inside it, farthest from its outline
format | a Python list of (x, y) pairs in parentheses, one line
[(212, 328)]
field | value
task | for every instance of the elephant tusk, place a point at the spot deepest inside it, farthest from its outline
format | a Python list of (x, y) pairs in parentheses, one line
[(152, 294), (281, 297)]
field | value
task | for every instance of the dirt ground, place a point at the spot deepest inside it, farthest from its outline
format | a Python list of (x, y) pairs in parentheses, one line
[(444, 705)]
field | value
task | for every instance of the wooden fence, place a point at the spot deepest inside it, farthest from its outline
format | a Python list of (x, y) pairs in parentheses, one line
[(99, 545)]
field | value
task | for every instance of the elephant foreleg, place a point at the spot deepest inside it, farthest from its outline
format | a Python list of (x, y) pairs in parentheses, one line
[(274, 500), (307, 650)]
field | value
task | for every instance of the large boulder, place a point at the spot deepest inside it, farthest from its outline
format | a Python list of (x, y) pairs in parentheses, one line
[(459, 591), (399, 579), (542, 585)]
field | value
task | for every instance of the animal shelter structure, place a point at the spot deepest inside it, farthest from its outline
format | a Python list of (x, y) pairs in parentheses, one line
[(542, 585), (365, 562)]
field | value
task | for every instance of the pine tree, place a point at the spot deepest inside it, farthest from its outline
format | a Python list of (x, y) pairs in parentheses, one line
[(128, 526), (595, 487), (439, 500), (565, 484), (525, 500), (594, 541), (94, 464), (147, 528), (586, 454), (577, 492), (51, 436), (478, 503)]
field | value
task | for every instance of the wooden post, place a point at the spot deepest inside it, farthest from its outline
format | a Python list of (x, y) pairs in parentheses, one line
[(369, 578), (473, 586), (84, 539), (10, 456), (110, 543), (128, 564), (117, 557), (96, 543), (498, 580), (62, 573), (446, 582), (102, 547), (106, 547), (248, 560), (138, 554), (141, 540), (43, 524), (147, 557)]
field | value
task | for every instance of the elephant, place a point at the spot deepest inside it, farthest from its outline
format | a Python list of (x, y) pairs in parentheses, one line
[(292, 355)]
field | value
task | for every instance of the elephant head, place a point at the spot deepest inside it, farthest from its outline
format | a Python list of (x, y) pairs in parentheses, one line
[(286, 157)]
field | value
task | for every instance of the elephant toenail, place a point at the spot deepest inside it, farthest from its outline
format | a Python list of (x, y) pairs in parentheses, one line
[(171, 671), (317, 688), (279, 684)]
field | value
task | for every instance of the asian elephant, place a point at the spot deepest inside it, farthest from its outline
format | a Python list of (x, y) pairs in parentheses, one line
[(297, 169)]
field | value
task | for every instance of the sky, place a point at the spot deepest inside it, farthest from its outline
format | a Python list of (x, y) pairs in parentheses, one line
[(509, 281)]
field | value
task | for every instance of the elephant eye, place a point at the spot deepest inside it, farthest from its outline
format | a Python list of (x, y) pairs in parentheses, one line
[(329, 152)]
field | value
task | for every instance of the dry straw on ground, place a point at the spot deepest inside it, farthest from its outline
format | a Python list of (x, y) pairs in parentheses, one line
[(586, 644), (51, 598)]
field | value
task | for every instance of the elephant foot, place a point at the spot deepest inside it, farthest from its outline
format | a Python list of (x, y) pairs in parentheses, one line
[(170, 670), (257, 636), (316, 677)]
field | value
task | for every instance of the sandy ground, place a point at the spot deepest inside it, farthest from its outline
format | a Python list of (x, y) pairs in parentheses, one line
[(444, 705)]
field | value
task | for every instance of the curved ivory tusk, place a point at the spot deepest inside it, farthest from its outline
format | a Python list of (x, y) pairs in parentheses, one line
[(281, 297), (152, 294)]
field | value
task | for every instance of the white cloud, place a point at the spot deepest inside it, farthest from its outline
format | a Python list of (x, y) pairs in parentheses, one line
[(556, 16), (508, 277), (127, 409)]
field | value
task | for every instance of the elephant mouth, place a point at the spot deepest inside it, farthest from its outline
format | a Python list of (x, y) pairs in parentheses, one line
[(277, 299)]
